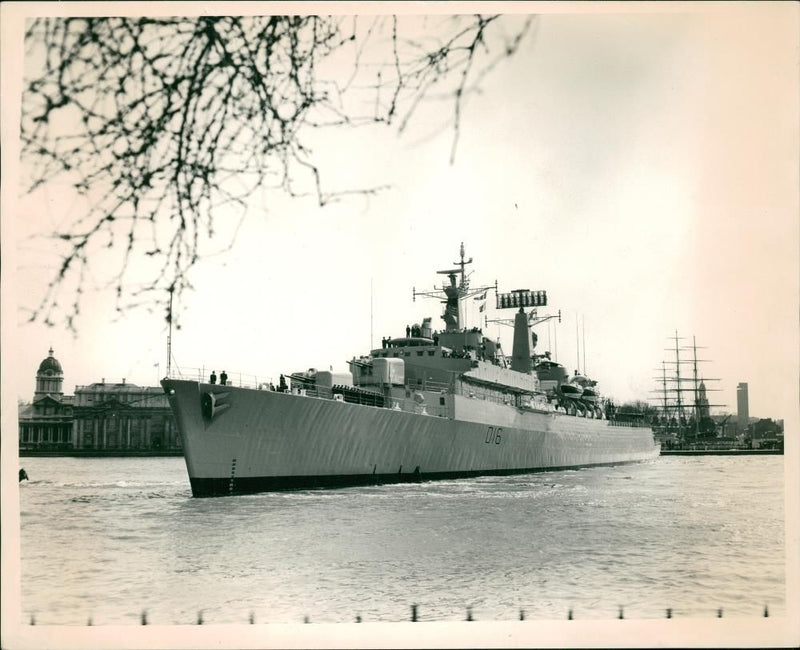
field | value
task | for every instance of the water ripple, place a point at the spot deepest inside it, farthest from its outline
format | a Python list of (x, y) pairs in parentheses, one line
[(687, 534)]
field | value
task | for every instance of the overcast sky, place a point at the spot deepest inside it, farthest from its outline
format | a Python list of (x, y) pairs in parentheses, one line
[(641, 167)]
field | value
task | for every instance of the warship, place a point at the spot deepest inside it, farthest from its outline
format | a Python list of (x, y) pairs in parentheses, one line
[(429, 405)]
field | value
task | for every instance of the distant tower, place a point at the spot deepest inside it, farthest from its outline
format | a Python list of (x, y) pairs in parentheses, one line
[(703, 409), (49, 378), (742, 407)]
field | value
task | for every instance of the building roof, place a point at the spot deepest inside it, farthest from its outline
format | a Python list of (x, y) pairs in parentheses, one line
[(107, 387), (56, 399), (50, 363)]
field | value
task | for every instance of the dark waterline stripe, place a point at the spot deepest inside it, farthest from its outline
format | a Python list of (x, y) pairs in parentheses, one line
[(214, 487)]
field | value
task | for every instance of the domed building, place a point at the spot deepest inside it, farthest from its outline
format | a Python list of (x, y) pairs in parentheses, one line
[(101, 418), (47, 423), (49, 378)]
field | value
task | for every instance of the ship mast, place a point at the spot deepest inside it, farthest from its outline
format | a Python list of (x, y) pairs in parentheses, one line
[(455, 293), (678, 380), (696, 388), (462, 264), (169, 334), (696, 395), (583, 335)]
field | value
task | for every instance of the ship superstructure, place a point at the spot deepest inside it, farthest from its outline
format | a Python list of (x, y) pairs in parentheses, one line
[(432, 404)]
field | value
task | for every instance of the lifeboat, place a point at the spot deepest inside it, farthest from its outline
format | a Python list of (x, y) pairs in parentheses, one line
[(571, 390), (589, 393)]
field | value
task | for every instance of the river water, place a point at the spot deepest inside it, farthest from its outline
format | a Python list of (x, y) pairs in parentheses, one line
[(108, 538)]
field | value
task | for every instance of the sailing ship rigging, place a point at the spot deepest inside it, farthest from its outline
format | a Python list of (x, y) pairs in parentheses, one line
[(684, 412)]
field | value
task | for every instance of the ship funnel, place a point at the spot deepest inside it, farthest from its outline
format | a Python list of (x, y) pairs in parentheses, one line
[(521, 353), (426, 331)]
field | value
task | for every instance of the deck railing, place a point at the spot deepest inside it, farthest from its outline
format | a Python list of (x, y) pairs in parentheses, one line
[(237, 379), (243, 380)]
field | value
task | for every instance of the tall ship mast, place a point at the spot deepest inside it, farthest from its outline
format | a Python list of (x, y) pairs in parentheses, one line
[(428, 404), (682, 397)]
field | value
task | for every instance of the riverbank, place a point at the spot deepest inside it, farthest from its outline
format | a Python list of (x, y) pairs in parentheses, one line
[(98, 453), (722, 452)]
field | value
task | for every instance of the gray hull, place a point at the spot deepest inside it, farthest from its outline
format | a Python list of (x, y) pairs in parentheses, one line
[(239, 440)]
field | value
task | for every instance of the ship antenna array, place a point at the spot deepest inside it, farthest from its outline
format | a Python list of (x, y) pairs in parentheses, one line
[(437, 293), (533, 319)]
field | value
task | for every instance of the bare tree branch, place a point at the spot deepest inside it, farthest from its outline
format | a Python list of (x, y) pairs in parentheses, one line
[(162, 122)]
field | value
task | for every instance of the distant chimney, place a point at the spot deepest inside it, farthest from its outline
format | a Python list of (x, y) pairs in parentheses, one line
[(123, 381)]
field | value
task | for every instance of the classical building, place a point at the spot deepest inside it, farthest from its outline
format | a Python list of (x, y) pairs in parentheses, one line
[(123, 417), (101, 416), (46, 423)]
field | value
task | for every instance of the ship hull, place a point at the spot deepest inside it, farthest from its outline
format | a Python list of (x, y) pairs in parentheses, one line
[(239, 440)]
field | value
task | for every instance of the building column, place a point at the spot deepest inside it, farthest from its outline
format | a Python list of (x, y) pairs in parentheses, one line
[(128, 434)]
